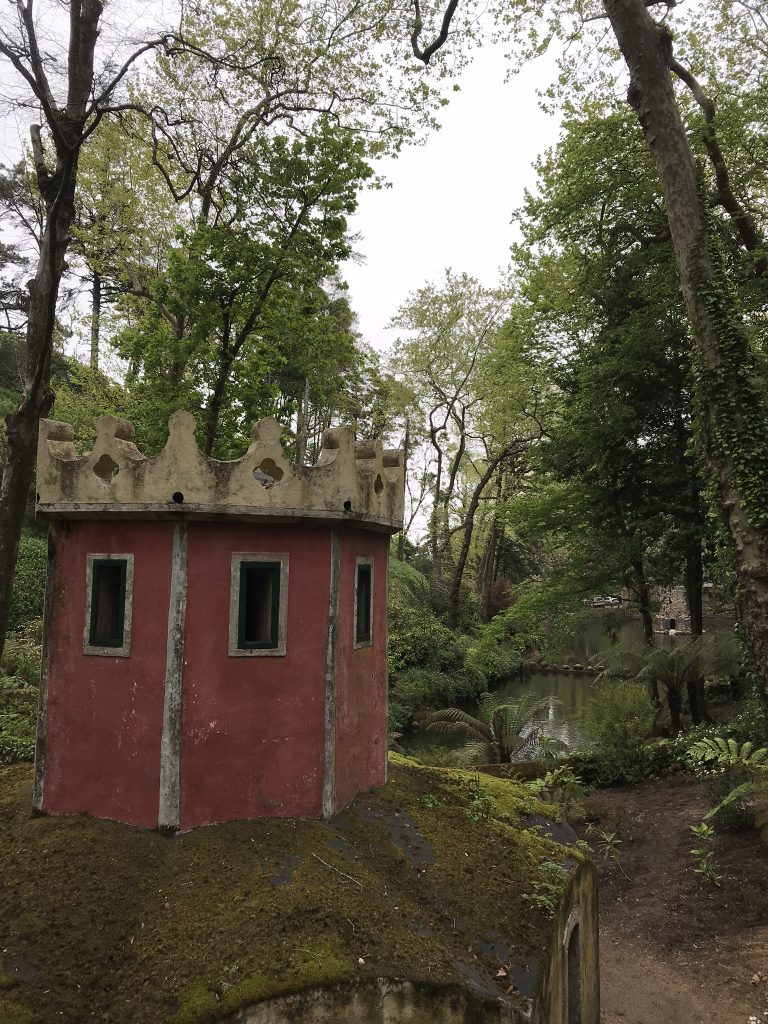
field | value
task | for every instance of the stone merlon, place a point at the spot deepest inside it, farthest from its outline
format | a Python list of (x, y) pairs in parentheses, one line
[(360, 482)]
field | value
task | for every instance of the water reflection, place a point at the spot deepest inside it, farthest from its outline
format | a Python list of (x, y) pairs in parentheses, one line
[(566, 693)]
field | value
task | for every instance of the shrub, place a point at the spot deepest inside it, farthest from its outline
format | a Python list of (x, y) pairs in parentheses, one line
[(21, 655), (617, 720), (29, 582), (424, 642), (491, 661), (420, 688), (618, 715), (18, 716), (408, 590)]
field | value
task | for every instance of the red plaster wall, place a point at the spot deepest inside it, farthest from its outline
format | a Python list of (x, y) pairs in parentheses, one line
[(361, 674), (105, 714), (253, 727)]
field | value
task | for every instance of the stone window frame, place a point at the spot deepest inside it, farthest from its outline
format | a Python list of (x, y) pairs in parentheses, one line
[(124, 651), (367, 641), (234, 650)]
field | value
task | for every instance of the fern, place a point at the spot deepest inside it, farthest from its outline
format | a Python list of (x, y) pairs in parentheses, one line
[(727, 753)]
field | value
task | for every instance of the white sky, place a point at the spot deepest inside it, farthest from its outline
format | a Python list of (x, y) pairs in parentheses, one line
[(451, 198)]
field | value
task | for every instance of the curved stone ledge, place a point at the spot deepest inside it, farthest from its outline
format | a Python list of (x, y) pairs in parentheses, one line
[(357, 481), (381, 1001)]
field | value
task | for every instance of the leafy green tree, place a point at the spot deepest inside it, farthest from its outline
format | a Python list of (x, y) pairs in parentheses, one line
[(236, 289), (675, 667), (728, 394)]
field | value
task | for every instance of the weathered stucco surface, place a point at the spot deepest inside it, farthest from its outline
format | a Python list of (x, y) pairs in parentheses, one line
[(352, 481), (382, 1001)]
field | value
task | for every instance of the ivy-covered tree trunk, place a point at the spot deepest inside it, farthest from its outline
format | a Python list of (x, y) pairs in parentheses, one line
[(730, 408), (693, 592)]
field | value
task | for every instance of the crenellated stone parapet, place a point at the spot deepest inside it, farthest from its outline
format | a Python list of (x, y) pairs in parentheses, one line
[(357, 481)]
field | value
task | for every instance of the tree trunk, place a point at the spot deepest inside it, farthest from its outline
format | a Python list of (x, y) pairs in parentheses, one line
[(406, 453), (643, 598), (302, 424), (469, 522), (95, 319), (489, 559), (58, 192), (731, 411), (693, 592), (675, 703), (37, 397), (214, 408), (226, 359), (644, 607), (434, 519)]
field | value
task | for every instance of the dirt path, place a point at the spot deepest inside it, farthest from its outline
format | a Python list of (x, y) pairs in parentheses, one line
[(675, 949)]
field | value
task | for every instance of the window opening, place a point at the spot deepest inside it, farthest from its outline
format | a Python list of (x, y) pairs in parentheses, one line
[(259, 608), (107, 626), (574, 976), (363, 603)]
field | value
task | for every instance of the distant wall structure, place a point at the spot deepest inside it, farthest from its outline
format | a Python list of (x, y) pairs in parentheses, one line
[(673, 606), (216, 634)]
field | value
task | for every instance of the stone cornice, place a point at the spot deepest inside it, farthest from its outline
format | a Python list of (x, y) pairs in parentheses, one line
[(360, 482)]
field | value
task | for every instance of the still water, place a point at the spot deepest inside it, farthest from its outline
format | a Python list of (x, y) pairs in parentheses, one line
[(565, 693)]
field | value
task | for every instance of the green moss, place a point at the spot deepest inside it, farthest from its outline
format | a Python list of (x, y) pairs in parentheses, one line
[(188, 929), (198, 1004), (13, 1013), (6, 980), (205, 1001)]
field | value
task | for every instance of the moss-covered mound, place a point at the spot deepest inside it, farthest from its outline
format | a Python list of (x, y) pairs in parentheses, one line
[(432, 878)]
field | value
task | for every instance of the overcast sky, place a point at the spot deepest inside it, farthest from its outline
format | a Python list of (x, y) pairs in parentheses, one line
[(451, 199)]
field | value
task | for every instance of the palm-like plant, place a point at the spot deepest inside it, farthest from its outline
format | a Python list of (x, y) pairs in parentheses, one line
[(502, 728), (715, 654)]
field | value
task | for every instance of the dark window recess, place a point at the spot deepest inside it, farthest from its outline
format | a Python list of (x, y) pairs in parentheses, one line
[(574, 977), (259, 609), (108, 602), (363, 598)]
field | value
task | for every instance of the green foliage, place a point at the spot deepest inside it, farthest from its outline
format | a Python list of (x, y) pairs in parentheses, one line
[(481, 805), (619, 714), (19, 682), (21, 654), (84, 394), (703, 854), (502, 729), (490, 660), (18, 718), (608, 843), (408, 591), (418, 689), (431, 665), (729, 753), (29, 583), (425, 642), (731, 772), (751, 722), (560, 786), (547, 893), (616, 720), (714, 654)]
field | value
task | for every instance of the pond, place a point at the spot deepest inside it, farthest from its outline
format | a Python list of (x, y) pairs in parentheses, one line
[(565, 692)]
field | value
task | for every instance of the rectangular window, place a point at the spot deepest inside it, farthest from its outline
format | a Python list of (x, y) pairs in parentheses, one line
[(258, 604), (109, 583), (259, 611), (363, 594)]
